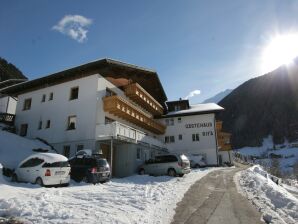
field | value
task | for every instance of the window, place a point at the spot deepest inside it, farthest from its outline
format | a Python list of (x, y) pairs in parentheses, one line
[(32, 162), (48, 124), (110, 92), (180, 137), (27, 104), (172, 138), (74, 93), (170, 122), (66, 150), (72, 122), (43, 99), (169, 139), (57, 164), (139, 153), (80, 147), (177, 108), (23, 129), (166, 159), (39, 125), (179, 119), (195, 137), (51, 96)]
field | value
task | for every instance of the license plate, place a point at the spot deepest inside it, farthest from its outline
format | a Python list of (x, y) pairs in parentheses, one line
[(59, 172), (104, 175)]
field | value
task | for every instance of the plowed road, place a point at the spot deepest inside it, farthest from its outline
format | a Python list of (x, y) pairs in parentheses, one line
[(214, 200)]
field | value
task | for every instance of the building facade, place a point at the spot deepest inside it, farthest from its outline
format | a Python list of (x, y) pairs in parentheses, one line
[(116, 109), (99, 106), (191, 129)]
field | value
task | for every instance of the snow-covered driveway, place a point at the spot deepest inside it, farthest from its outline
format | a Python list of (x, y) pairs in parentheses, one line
[(135, 199)]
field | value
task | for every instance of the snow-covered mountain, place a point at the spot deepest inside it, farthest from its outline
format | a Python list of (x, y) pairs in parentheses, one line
[(218, 97)]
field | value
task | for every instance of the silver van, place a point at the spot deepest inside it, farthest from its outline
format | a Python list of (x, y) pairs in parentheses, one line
[(169, 164)]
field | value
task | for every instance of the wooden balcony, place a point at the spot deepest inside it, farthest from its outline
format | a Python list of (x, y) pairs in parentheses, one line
[(139, 95), (223, 140), (225, 147), (218, 125), (122, 108)]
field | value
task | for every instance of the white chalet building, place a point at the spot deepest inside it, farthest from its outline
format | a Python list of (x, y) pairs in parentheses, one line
[(103, 105), (191, 129)]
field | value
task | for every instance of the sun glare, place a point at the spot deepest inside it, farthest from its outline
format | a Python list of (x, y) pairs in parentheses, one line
[(281, 50)]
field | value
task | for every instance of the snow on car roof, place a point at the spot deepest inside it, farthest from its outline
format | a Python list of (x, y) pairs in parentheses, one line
[(50, 157), (198, 108)]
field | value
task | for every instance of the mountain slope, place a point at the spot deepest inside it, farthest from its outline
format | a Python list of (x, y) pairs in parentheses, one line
[(218, 97), (266, 105), (9, 71)]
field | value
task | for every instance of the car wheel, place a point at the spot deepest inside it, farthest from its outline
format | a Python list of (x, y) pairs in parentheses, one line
[(14, 178), (197, 166), (171, 172), (39, 182), (181, 175), (141, 171)]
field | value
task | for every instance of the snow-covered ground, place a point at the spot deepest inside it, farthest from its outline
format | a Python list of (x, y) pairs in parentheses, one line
[(288, 153), (135, 199), (275, 202), (14, 148)]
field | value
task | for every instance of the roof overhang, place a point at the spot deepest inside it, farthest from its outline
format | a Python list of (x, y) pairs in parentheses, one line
[(147, 78)]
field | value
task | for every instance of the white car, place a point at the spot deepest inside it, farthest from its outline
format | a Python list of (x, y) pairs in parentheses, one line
[(43, 169), (196, 160), (170, 164)]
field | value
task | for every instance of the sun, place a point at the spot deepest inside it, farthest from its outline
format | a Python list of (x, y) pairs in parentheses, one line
[(282, 49)]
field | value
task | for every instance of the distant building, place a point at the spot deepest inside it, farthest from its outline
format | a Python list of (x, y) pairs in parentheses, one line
[(191, 129), (8, 104)]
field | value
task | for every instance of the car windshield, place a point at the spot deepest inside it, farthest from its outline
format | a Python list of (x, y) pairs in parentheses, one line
[(101, 162), (57, 164)]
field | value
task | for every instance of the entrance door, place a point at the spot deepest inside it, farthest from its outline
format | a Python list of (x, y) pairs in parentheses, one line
[(220, 159), (106, 151)]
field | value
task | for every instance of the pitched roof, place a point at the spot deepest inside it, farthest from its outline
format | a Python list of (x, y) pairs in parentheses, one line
[(147, 78), (196, 109)]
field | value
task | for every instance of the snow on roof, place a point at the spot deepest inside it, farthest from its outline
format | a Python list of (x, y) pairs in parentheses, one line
[(198, 108), (50, 157)]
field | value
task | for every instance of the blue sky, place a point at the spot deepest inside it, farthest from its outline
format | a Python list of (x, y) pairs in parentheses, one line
[(193, 45)]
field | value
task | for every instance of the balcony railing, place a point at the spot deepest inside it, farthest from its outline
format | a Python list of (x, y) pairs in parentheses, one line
[(139, 95), (7, 118), (122, 108), (124, 132)]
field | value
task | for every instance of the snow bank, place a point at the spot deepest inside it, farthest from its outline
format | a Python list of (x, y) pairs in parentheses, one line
[(14, 148), (274, 201), (135, 199), (1, 175)]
